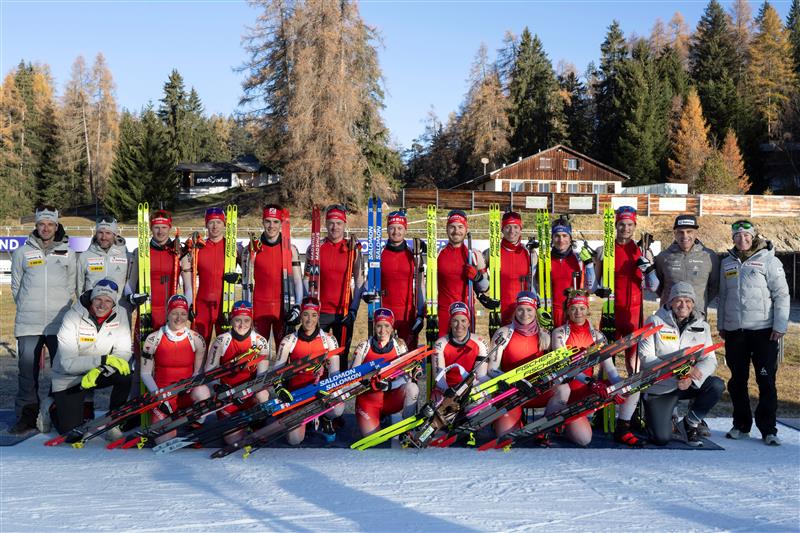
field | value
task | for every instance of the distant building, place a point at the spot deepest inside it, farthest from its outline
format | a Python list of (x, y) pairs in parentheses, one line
[(557, 169), (782, 166), (199, 179), (658, 188)]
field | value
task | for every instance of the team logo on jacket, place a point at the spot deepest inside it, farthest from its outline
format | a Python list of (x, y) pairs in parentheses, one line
[(668, 336)]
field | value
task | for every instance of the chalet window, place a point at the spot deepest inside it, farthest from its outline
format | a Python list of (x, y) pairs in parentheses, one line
[(572, 187), (584, 187), (545, 163), (517, 186), (599, 188), (572, 164), (610, 188), (544, 187)]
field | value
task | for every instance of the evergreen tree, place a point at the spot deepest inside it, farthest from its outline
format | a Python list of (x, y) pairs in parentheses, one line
[(690, 147), (715, 178), (732, 158), (431, 161), (313, 85), (772, 74), (715, 69), (536, 106), (793, 25), (483, 125), (173, 112), (613, 53), (578, 115), (143, 167)]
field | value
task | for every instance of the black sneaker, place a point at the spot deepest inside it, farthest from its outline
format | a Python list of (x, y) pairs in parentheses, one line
[(692, 435), (26, 421)]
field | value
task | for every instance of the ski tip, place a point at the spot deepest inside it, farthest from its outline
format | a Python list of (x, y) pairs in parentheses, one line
[(488, 446), (131, 443), (55, 441), (115, 444), (713, 347)]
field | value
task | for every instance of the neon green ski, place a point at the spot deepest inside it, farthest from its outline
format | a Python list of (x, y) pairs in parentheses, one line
[(607, 324), (545, 286), (495, 319), (229, 289), (143, 266), (431, 296)]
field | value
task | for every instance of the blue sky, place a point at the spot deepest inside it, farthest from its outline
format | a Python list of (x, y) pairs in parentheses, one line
[(426, 54)]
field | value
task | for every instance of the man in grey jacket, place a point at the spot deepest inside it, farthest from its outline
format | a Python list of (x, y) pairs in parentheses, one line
[(753, 317), (688, 260), (682, 327), (43, 286), (106, 258)]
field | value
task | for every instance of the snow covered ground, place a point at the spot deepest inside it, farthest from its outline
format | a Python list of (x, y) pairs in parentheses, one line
[(747, 487)]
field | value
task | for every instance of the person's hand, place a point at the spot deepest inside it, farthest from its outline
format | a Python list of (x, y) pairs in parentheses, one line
[(488, 302), (586, 254), (232, 277), (684, 383), (695, 374), (381, 385), (603, 292), (419, 323), (370, 296), (472, 273), (644, 264), (532, 244), (138, 298), (775, 335), (544, 318), (294, 316), (349, 318)]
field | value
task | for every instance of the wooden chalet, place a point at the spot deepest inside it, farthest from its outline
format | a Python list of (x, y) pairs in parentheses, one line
[(559, 169), (198, 179)]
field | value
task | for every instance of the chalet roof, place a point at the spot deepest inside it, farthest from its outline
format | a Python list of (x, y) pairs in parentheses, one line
[(492, 175), (243, 163)]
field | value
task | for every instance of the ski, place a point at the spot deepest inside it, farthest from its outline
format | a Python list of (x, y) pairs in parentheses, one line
[(145, 316), (248, 266), (147, 401), (471, 287), (195, 243), (495, 234), (313, 259), (545, 287), (676, 364), (354, 248), (320, 406), (607, 324), (287, 277), (374, 237), (431, 295), (198, 410), (229, 289)]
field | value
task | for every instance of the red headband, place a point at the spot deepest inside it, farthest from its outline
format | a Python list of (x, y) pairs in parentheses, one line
[(162, 218), (459, 308), (215, 216), (242, 311), (526, 300), (398, 219), (336, 214), (578, 299), (626, 215), (177, 303), (310, 304), (271, 212), (512, 218), (457, 218), (383, 315)]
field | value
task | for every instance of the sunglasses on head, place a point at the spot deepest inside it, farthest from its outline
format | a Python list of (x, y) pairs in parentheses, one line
[(215, 211), (742, 224), (626, 209), (106, 220), (108, 283)]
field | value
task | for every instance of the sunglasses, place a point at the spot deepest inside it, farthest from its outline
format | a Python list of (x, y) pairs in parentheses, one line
[(106, 220), (626, 209), (742, 224), (45, 208), (108, 283)]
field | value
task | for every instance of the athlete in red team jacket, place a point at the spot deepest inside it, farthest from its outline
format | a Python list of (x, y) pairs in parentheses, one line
[(307, 340), (457, 353), (521, 341), (268, 311), (389, 397), (162, 270), (568, 269), (404, 296), (515, 265), (334, 257), (226, 347), (454, 271), (172, 353), (210, 271)]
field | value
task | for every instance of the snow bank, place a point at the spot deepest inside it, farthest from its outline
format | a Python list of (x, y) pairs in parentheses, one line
[(747, 487)]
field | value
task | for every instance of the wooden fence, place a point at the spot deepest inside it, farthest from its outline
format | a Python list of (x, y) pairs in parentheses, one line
[(645, 204)]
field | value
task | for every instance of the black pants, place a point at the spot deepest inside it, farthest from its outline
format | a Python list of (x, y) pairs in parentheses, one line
[(29, 349), (333, 324), (69, 402), (742, 347), (658, 407)]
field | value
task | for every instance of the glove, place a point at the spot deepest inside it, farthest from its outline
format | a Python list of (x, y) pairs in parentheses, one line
[(586, 254), (232, 277), (349, 318), (545, 319), (138, 298), (488, 302), (283, 394), (294, 316), (472, 273), (381, 385), (603, 292), (117, 363), (191, 314), (532, 244), (600, 388), (370, 296), (644, 264), (165, 407), (419, 323)]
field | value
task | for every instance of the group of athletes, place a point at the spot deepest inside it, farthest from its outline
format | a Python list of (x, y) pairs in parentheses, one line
[(79, 307)]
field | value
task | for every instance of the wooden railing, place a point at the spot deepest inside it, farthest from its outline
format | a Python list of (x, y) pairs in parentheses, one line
[(645, 204)]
